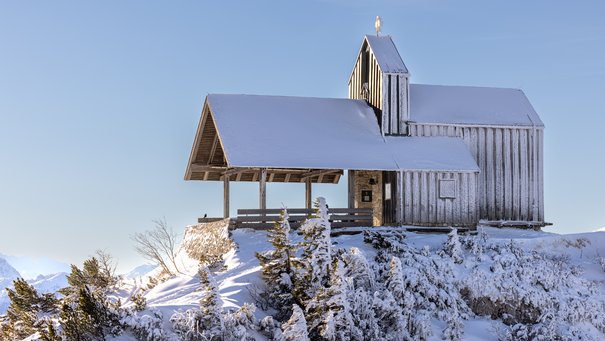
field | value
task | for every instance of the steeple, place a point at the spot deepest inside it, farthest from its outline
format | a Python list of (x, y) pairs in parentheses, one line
[(382, 79)]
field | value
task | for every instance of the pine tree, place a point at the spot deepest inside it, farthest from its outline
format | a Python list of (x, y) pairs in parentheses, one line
[(390, 319), (277, 267), (86, 312), (364, 320), (25, 307), (210, 306), (329, 312), (295, 329), (316, 258), (452, 247), (358, 269)]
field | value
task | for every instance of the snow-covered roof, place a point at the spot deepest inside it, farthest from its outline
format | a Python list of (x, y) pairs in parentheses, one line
[(431, 153), (323, 133), (386, 54), (471, 105)]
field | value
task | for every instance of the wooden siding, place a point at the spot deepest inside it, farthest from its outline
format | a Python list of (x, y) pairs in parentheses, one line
[(421, 203), (511, 160), (387, 92)]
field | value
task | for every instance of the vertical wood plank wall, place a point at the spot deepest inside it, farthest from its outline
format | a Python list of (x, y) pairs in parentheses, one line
[(511, 160), (422, 205), (387, 92)]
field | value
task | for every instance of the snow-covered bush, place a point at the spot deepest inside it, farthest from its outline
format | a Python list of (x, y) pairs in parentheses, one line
[(533, 288), (271, 328), (139, 301), (239, 324), (147, 327), (208, 242), (295, 329), (424, 289), (601, 262)]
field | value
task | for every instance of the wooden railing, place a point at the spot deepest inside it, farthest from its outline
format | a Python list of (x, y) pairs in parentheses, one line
[(263, 219)]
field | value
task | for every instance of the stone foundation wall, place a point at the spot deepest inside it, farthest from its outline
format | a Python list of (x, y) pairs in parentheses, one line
[(362, 183)]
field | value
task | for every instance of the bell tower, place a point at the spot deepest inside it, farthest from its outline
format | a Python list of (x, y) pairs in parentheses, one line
[(381, 78)]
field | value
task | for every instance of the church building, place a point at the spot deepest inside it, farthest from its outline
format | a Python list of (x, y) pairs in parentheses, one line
[(415, 154)]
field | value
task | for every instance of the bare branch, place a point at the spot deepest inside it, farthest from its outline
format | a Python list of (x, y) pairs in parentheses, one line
[(158, 245)]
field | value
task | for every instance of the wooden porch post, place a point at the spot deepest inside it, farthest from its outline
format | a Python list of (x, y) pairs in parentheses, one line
[(226, 196), (308, 193), (262, 181), (351, 188)]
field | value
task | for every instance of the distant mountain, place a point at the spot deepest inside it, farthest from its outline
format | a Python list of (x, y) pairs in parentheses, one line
[(140, 271), (49, 283), (32, 267), (602, 229), (7, 275)]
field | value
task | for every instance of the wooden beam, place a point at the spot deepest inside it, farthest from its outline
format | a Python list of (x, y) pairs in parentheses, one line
[(287, 177), (336, 178), (351, 188), (213, 149), (271, 176), (262, 174), (320, 172), (226, 196), (308, 193), (206, 175), (196, 167), (233, 171), (238, 176)]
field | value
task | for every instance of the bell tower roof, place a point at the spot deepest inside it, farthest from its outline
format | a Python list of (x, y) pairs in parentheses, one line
[(386, 54)]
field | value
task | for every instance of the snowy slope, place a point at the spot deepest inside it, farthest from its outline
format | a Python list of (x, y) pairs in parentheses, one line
[(240, 276)]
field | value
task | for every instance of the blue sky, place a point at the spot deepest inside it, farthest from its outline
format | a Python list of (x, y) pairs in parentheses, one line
[(99, 101)]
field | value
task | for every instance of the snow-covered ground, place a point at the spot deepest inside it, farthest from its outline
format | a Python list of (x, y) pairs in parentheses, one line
[(240, 276)]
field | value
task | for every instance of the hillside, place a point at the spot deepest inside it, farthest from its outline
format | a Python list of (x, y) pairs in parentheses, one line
[(513, 272), (381, 283)]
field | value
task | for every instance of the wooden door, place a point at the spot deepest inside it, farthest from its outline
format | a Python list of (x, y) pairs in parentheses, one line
[(389, 198)]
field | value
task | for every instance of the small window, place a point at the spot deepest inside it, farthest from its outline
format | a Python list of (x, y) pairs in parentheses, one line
[(366, 196), (447, 188)]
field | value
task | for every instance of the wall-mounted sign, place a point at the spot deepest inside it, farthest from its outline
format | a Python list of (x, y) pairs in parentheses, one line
[(387, 191), (366, 196)]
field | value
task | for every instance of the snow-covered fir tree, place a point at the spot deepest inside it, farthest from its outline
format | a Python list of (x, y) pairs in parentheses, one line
[(329, 312), (454, 329), (314, 263), (277, 270), (390, 320), (452, 247), (295, 329), (205, 323), (358, 269), (211, 322)]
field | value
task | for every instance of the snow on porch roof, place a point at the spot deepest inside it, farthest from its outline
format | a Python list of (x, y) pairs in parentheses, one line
[(323, 133), (386, 54), (471, 106)]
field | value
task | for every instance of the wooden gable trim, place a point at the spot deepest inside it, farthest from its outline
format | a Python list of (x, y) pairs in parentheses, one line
[(217, 143), (196, 141)]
